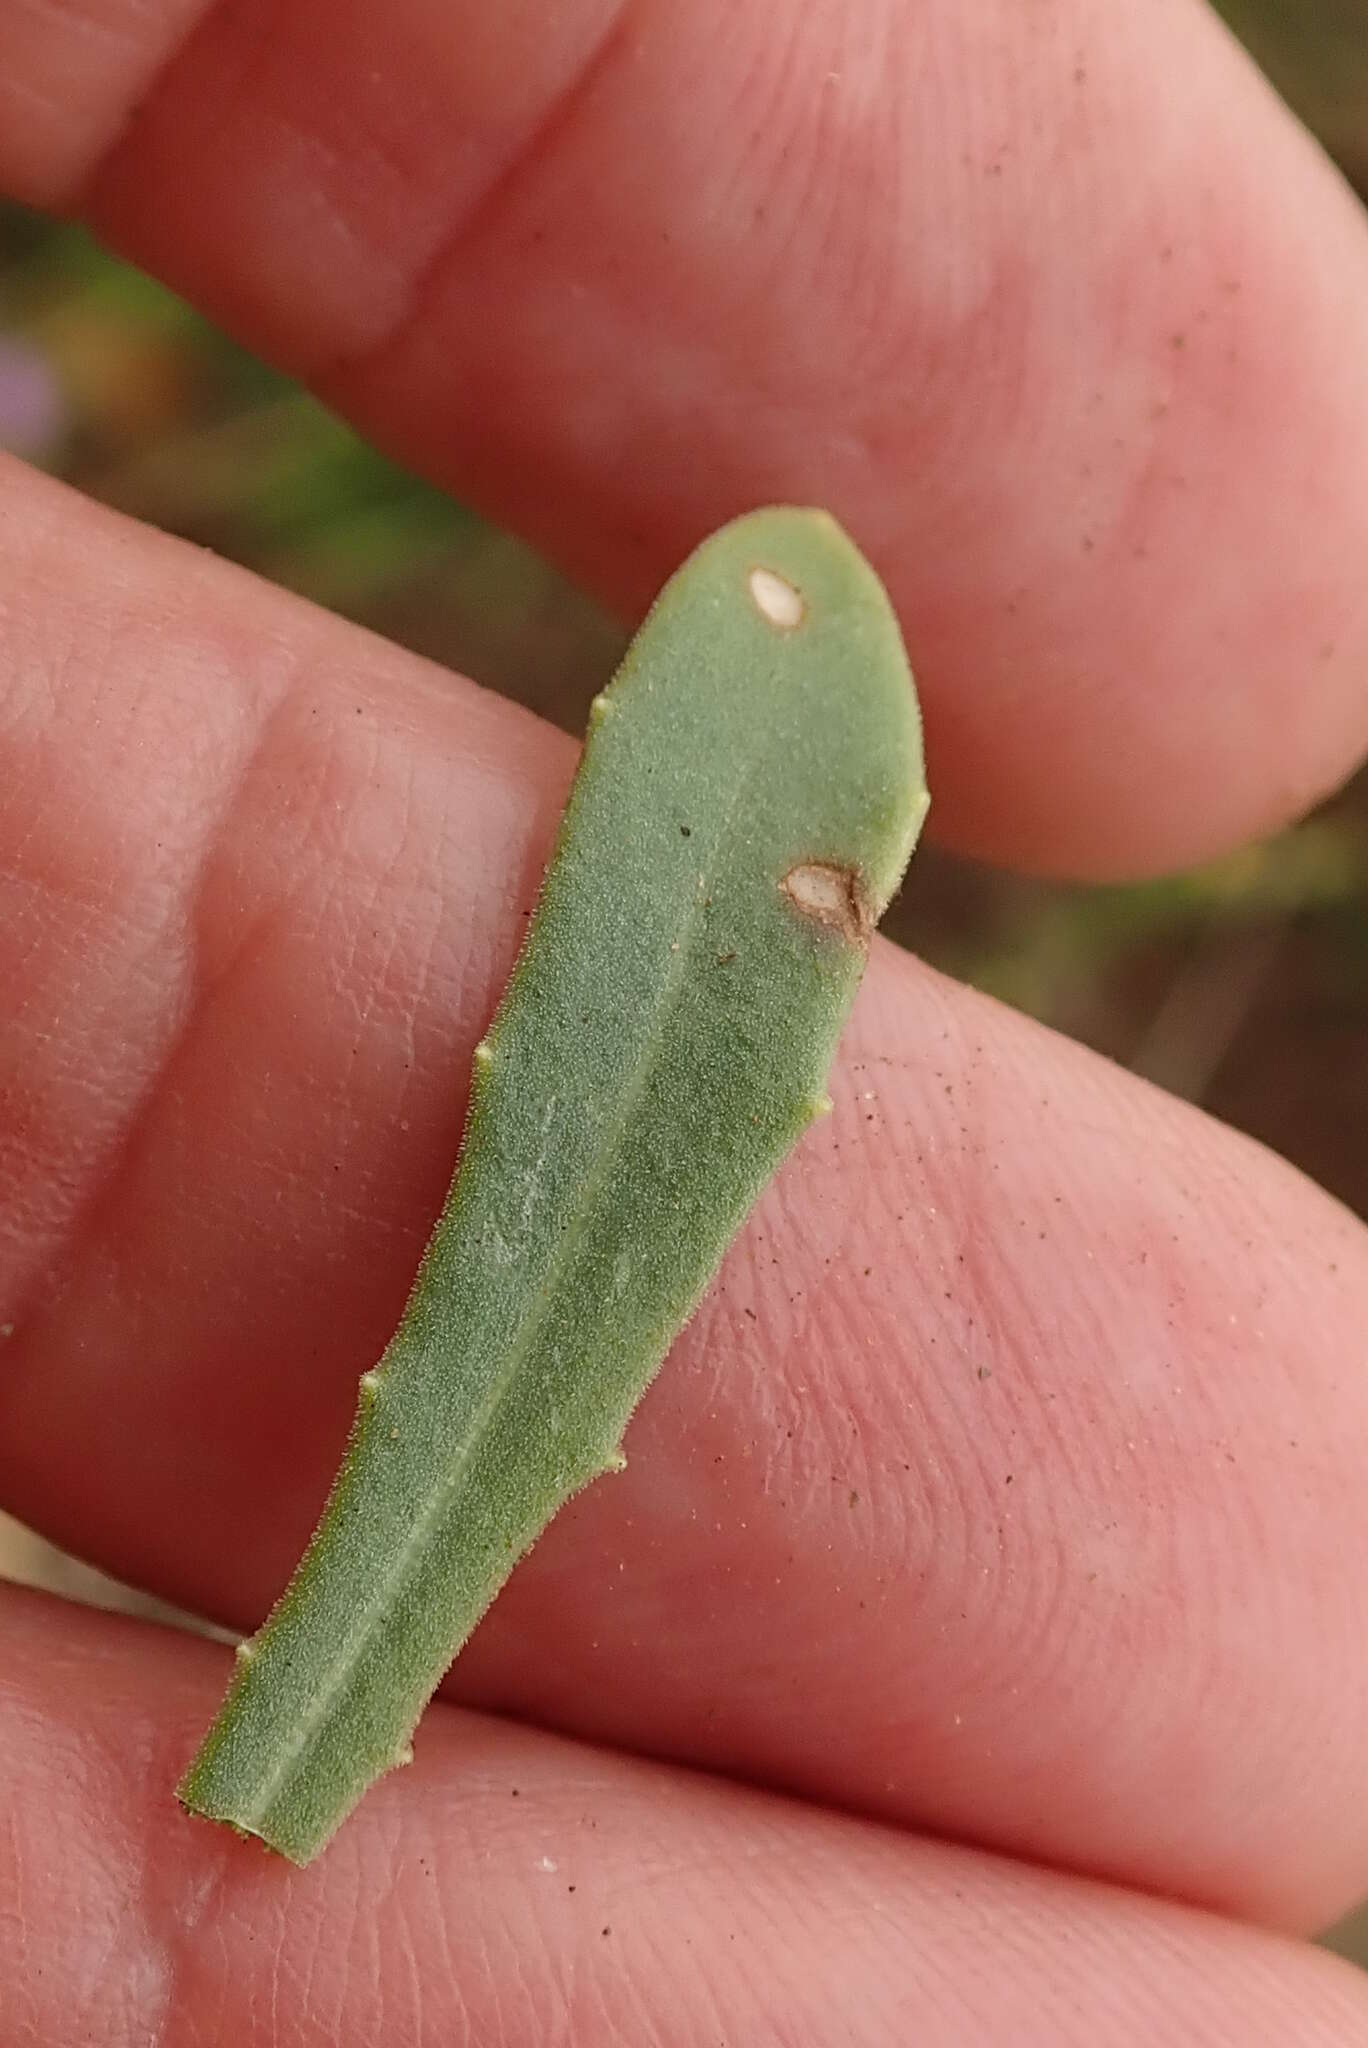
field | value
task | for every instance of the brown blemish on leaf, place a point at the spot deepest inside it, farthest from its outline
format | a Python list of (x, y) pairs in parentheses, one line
[(833, 896)]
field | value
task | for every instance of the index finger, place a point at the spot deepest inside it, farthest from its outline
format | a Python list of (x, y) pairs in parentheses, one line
[(1056, 309)]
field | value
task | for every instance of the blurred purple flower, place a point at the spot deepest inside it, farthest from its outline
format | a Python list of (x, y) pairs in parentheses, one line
[(33, 412)]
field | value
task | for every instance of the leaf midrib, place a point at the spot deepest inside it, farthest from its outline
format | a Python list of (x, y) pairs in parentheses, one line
[(443, 1496)]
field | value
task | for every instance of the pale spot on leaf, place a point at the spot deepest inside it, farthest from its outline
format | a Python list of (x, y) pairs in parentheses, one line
[(777, 600)]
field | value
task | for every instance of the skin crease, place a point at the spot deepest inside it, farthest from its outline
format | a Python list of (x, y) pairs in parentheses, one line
[(1058, 1557)]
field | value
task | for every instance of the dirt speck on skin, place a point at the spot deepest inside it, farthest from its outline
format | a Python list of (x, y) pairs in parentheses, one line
[(830, 895)]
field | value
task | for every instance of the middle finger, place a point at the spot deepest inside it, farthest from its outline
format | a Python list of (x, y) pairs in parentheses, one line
[(1005, 1483)]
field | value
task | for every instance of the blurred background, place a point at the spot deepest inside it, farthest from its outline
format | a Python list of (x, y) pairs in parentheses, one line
[(1242, 986)]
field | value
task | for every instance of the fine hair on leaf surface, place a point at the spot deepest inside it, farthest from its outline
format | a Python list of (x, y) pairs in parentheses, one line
[(750, 792)]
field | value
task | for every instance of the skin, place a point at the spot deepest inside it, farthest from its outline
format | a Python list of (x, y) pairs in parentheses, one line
[(985, 1575)]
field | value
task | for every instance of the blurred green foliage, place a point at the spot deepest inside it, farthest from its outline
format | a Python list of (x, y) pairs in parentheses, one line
[(1316, 53), (170, 421)]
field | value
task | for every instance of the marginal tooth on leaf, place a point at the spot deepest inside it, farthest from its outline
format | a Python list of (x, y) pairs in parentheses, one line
[(245, 1650), (601, 707), (370, 1385), (617, 1461), (484, 1056)]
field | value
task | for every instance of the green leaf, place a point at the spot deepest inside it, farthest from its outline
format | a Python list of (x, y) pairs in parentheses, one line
[(749, 796)]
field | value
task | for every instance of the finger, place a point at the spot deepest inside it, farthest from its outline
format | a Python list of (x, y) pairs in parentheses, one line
[(514, 1887), (1065, 326), (1022, 1442)]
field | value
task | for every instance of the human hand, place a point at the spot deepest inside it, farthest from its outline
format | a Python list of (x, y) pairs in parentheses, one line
[(1001, 1512)]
